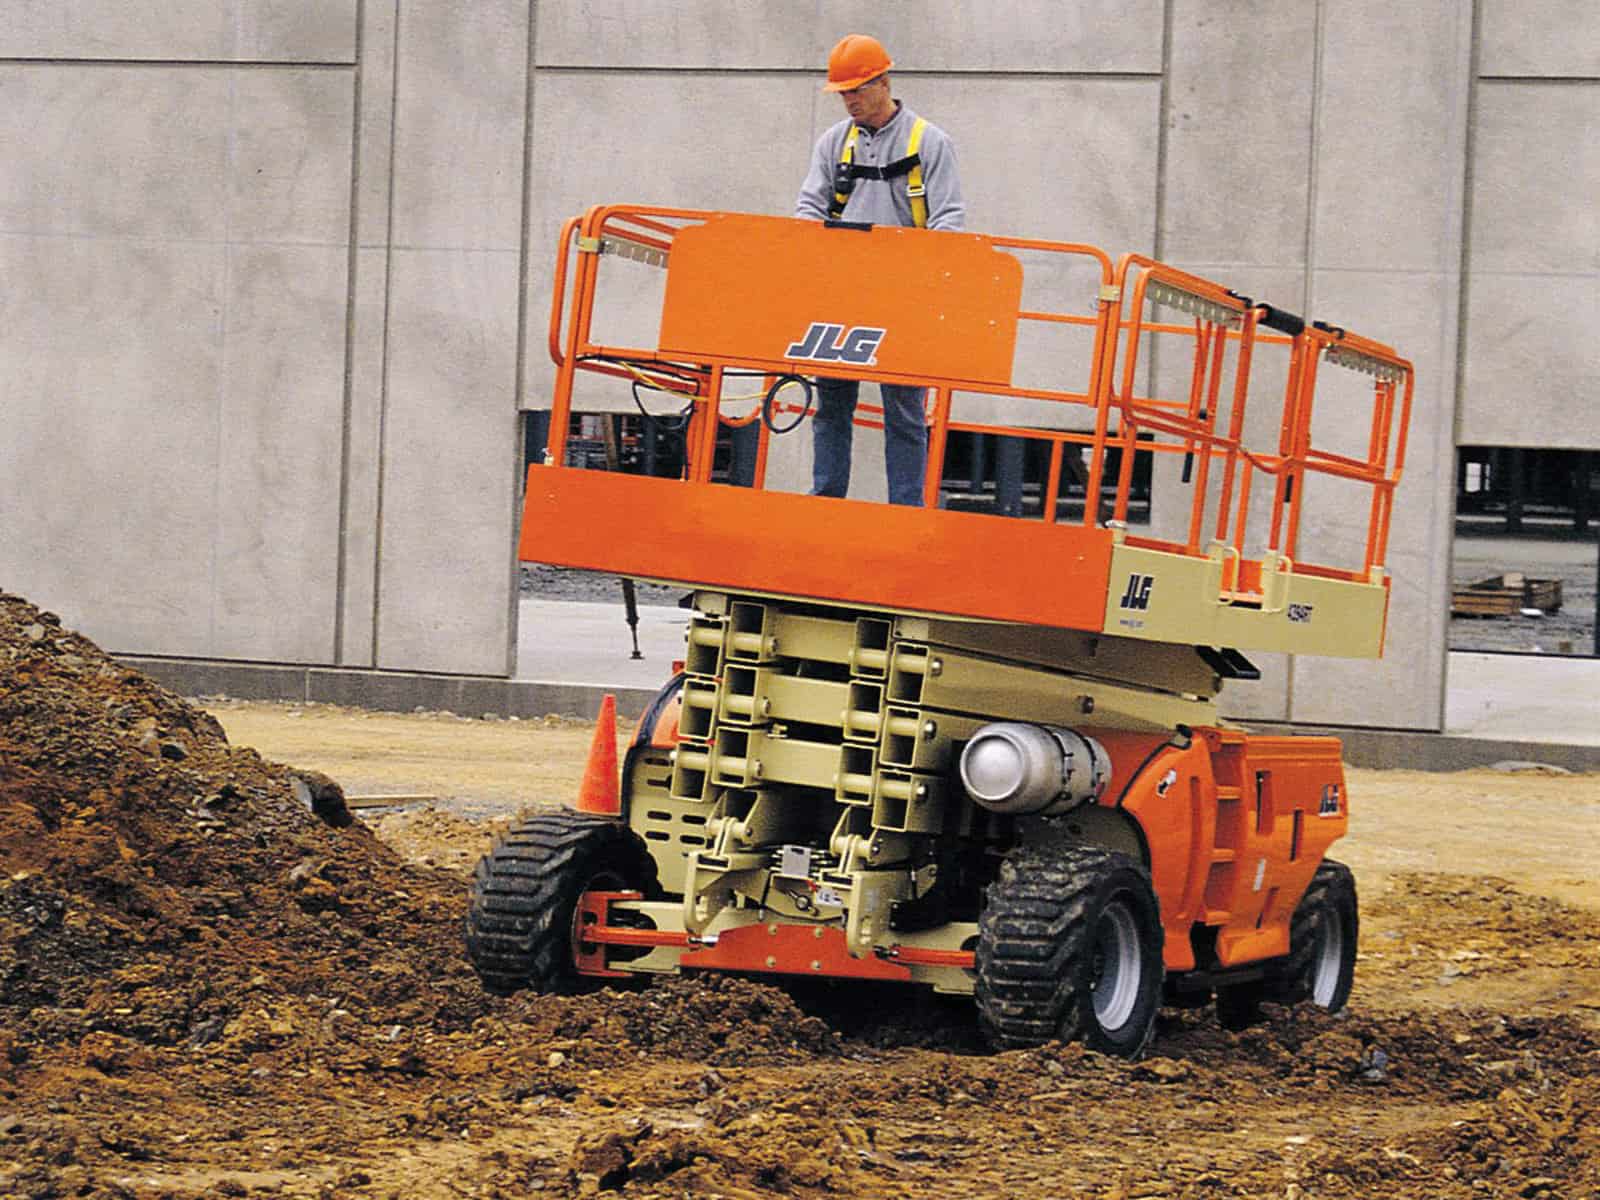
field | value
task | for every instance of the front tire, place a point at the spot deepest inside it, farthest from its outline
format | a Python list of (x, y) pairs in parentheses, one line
[(1069, 946), (1322, 940), (525, 892)]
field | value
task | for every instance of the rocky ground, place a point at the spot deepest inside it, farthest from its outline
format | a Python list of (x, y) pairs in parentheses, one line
[(213, 982), (567, 583)]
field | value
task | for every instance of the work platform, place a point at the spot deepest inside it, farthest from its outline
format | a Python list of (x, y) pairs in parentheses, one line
[(752, 298)]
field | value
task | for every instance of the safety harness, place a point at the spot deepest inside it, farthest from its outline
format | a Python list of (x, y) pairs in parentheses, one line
[(848, 171)]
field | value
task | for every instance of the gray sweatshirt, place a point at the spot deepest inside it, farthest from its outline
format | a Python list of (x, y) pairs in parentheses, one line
[(885, 201)]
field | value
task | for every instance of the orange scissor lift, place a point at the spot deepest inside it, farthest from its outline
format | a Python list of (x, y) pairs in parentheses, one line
[(971, 751)]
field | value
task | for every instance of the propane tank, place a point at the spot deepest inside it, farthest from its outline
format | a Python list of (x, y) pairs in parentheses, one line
[(1033, 770)]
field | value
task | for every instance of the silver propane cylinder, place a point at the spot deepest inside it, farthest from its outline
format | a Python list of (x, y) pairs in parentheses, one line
[(1033, 770)]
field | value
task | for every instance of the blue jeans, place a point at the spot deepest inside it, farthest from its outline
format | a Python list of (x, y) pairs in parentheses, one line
[(905, 439)]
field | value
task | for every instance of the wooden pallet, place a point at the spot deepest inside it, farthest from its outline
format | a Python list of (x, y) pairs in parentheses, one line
[(1505, 596)]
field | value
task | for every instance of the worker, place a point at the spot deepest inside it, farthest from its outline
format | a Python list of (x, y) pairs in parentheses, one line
[(881, 165)]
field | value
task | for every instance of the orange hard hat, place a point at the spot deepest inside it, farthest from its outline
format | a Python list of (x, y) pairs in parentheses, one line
[(856, 60)]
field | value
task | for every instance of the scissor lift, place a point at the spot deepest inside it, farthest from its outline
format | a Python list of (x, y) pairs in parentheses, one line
[(971, 751)]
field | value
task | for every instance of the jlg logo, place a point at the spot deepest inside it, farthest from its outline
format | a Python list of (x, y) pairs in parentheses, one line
[(1329, 807), (834, 343), (1138, 593)]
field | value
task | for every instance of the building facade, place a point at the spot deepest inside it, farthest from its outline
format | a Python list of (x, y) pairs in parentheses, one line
[(276, 271)]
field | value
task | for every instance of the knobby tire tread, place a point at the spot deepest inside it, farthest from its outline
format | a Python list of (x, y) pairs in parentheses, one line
[(519, 921), (1034, 935)]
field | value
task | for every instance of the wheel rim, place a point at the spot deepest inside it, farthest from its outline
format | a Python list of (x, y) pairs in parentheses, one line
[(1327, 959), (1114, 979)]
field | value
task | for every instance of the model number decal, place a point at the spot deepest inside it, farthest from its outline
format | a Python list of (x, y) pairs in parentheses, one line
[(1138, 594), (1300, 613), (834, 343)]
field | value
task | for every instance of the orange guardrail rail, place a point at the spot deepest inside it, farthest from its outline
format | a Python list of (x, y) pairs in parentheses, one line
[(770, 302)]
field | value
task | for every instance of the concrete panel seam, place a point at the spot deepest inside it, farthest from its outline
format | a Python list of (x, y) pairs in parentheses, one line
[(1512, 273), (224, 242), (1313, 134), (899, 72), (485, 251), (524, 315), (346, 434), (170, 64), (1190, 264), (1463, 234), (383, 353), (1313, 157), (1554, 80), (1463, 314), (1163, 119), (1152, 366), (222, 374)]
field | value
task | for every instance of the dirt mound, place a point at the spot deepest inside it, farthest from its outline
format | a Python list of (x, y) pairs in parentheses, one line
[(154, 877), (164, 887)]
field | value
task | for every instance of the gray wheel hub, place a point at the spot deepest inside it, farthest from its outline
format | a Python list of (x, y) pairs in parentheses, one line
[(1115, 979), (1326, 960)]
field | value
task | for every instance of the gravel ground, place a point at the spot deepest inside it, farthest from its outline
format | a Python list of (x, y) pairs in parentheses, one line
[(565, 583), (207, 991)]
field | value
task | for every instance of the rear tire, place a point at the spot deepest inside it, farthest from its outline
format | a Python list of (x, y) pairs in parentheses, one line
[(1069, 946), (1322, 940), (525, 891)]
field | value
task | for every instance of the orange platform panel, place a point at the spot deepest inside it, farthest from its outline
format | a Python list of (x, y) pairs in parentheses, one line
[(906, 301), (847, 551)]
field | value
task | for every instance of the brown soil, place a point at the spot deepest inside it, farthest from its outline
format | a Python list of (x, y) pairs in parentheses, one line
[(207, 988)]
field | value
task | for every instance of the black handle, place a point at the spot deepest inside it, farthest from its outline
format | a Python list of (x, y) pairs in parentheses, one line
[(1280, 319), (1227, 662), (861, 225)]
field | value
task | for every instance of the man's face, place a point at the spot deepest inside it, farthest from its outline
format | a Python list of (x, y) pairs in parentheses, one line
[(870, 104)]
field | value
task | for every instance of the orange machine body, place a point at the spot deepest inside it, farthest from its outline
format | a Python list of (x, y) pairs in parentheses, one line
[(1232, 826)]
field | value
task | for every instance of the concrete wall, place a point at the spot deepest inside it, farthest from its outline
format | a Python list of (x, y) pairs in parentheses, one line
[(174, 240), (277, 269), (260, 362), (1531, 374)]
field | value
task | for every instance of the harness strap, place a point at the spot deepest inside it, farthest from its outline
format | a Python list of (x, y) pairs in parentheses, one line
[(914, 188), (846, 159), (910, 166), (902, 166)]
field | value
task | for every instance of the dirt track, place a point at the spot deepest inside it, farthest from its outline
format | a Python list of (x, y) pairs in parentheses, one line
[(206, 990)]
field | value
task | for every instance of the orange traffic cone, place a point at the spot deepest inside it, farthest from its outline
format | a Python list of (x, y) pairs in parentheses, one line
[(599, 793)]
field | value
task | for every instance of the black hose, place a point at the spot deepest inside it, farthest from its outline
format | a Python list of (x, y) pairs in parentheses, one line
[(767, 403), (1182, 738), (670, 422)]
